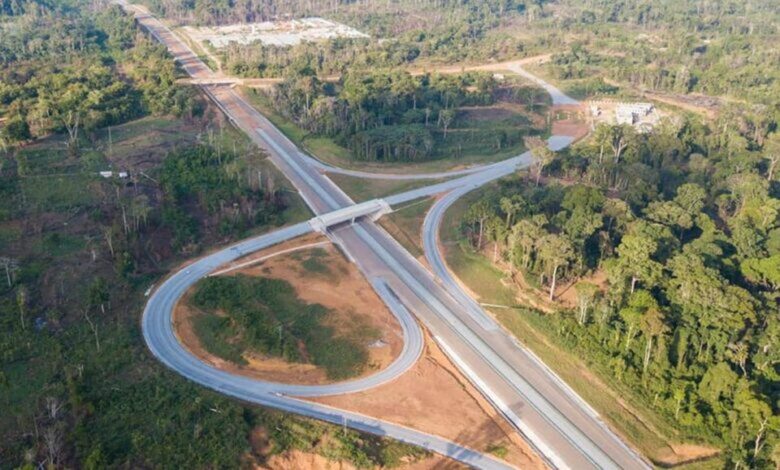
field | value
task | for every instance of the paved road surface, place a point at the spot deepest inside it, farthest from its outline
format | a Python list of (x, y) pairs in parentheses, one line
[(161, 338), (564, 430)]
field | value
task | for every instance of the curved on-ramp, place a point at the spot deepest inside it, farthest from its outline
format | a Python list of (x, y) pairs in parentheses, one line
[(430, 237), (161, 338)]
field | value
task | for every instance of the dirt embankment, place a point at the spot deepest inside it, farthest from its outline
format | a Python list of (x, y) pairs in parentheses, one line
[(434, 397), (332, 282)]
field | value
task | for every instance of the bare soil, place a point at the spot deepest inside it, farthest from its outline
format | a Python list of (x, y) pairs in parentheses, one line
[(297, 460), (570, 120), (490, 67), (434, 397), (683, 453), (343, 290)]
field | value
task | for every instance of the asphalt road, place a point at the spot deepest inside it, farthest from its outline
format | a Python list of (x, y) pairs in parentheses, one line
[(160, 336), (562, 428)]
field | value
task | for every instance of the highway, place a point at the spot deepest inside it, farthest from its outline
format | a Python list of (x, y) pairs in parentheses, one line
[(562, 428), (160, 336)]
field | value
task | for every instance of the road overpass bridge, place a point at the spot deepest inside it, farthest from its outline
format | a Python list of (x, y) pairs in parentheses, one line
[(375, 208)]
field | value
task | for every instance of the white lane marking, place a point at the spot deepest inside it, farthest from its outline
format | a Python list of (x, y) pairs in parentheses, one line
[(548, 453)]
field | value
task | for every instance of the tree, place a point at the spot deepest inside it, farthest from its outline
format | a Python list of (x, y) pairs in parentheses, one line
[(707, 297), (543, 156), (22, 297), (16, 130), (639, 304), (717, 383), (616, 137), (766, 358), (446, 116), (682, 211), (557, 252), (586, 296), (97, 296), (738, 353), (680, 389), (765, 271), (652, 325), (512, 205), (635, 260), (140, 210), (478, 213), (524, 239), (752, 416), (772, 154), (498, 234), (11, 266)]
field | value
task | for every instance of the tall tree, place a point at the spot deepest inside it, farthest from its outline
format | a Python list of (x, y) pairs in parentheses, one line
[(635, 260), (557, 252)]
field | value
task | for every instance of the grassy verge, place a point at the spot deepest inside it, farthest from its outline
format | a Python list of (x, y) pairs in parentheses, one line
[(405, 225), (364, 189), (643, 428)]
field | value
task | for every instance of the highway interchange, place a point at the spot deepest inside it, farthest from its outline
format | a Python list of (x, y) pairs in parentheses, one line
[(563, 429)]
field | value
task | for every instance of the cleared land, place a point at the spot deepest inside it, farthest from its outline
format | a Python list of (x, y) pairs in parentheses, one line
[(274, 33), (318, 275), (434, 397)]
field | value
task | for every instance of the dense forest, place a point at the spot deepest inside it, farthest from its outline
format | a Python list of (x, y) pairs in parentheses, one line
[(716, 49), (83, 91), (685, 222), (106, 73), (393, 116)]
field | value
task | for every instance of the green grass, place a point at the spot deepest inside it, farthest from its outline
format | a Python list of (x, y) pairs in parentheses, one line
[(46, 158), (364, 189), (266, 316), (148, 135), (405, 224), (57, 245), (8, 235), (499, 449), (313, 262), (646, 431), (214, 333), (59, 193)]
